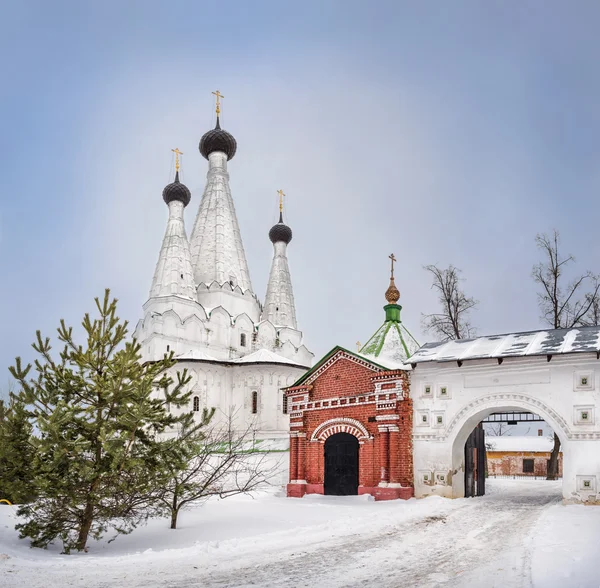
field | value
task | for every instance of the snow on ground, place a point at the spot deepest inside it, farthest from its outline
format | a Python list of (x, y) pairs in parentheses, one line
[(518, 535)]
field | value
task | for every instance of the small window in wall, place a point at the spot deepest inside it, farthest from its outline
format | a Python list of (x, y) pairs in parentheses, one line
[(444, 391), (427, 390), (243, 340), (585, 416), (284, 403), (196, 404), (528, 466), (540, 432), (254, 402), (584, 381)]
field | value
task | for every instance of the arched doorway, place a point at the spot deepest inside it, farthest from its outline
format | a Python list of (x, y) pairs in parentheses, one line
[(466, 434), (341, 465)]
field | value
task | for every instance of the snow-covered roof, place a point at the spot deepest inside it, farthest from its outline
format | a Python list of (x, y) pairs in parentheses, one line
[(547, 342), (263, 356), (520, 443), (196, 354)]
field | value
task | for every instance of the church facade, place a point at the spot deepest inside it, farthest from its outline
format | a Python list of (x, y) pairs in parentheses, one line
[(202, 307)]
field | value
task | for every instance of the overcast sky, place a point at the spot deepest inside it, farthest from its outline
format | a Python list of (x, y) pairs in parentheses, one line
[(445, 132)]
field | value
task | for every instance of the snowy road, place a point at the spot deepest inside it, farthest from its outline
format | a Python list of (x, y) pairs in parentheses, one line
[(483, 542), (519, 535)]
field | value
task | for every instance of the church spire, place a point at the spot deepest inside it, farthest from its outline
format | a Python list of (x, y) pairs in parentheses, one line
[(279, 305), (173, 275), (218, 256)]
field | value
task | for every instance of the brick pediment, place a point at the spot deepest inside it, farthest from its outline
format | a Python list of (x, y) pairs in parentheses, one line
[(341, 375)]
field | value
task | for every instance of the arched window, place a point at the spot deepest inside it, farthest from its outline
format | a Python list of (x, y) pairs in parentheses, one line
[(196, 404), (254, 402), (243, 340), (284, 403)]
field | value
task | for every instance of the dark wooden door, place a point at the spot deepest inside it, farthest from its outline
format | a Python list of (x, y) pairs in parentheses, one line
[(475, 462), (341, 465)]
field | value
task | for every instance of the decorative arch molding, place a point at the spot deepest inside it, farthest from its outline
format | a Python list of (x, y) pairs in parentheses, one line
[(512, 400), (340, 425)]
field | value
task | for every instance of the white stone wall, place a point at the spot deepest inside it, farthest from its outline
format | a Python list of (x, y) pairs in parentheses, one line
[(184, 327), (229, 390), (449, 401)]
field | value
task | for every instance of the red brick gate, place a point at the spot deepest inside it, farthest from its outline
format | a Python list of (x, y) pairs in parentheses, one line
[(346, 393)]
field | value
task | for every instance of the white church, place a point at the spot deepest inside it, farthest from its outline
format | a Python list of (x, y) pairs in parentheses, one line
[(238, 351)]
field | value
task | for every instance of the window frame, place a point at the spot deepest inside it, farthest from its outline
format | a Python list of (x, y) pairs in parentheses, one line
[(530, 464), (284, 404)]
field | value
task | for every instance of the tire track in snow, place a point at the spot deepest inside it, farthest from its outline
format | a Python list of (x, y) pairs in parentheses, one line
[(484, 542)]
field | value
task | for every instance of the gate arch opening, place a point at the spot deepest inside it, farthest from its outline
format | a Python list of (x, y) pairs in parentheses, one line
[(468, 420), (341, 465)]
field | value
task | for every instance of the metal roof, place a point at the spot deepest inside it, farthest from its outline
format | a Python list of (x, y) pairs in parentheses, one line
[(547, 342)]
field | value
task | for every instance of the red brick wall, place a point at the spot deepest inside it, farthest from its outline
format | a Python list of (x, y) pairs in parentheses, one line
[(349, 390), (510, 463)]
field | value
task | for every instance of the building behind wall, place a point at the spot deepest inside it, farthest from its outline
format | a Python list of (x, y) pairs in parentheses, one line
[(520, 456)]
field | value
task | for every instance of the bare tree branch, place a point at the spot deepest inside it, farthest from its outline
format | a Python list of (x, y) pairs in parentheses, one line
[(452, 322), (223, 462), (564, 306)]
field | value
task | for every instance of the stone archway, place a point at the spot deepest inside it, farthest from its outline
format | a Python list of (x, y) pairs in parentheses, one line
[(466, 419)]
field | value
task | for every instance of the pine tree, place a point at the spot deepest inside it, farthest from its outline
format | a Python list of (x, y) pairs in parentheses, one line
[(99, 412), (16, 452)]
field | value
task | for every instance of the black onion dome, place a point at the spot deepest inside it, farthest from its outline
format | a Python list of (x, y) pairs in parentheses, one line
[(177, 191), (280, 232), (218, 140)]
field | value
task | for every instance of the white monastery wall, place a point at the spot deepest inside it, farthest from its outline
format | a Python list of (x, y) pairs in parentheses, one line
[(450, 400)]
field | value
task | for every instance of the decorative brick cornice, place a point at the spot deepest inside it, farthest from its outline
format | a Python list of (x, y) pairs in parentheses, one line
[(383, 401), (389, 374)]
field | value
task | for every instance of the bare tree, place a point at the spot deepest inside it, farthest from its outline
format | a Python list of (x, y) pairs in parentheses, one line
[(563, 304), (225, 462), (497, 429), (452, 322)]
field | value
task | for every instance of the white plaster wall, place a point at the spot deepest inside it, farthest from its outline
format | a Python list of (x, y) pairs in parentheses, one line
[(234, 301), (551, 389), (229, 390)]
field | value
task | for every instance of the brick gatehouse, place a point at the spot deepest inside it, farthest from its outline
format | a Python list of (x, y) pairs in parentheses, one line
[(351, 429), (351, 416)]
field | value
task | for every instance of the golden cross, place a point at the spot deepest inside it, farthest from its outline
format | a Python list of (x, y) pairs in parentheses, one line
[(393, 258), (281, 195), (177, 154), (219, 96), (358, 346)]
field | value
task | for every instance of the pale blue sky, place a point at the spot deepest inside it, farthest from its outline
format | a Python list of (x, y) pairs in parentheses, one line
[(446, 132)]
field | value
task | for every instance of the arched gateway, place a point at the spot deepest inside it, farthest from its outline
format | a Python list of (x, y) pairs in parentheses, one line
[(455, 385), (412, 410)]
